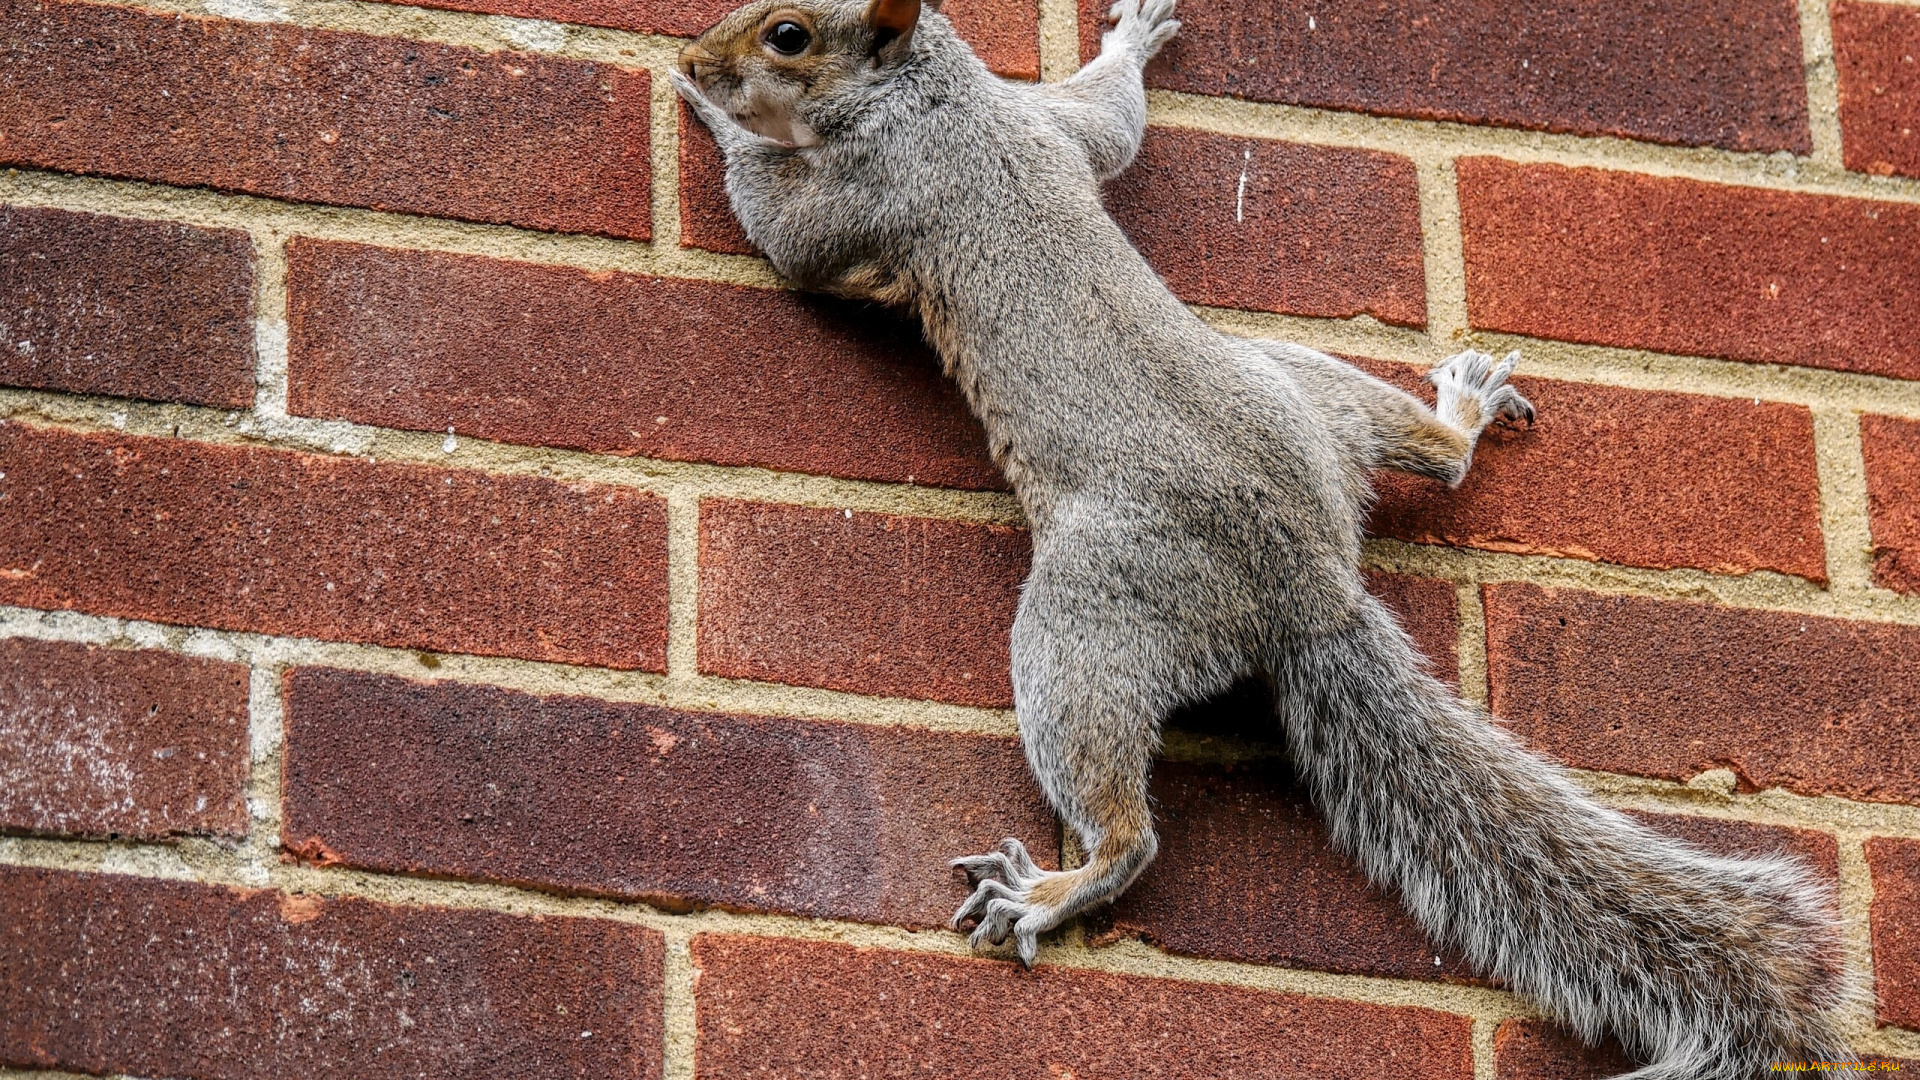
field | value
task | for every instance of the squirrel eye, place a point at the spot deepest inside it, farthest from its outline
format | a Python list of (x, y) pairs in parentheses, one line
[(789, 38)]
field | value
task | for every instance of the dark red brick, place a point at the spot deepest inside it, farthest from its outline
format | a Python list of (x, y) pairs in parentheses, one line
[(868, 603), (1005, 33), (1817, 850), (773, 1008), (1680, 266), (1274, 226), (1714, 73), (640, 802), (1430, 611), (706, 214), (100, 742), (299, 544), (110, 974), (621, 364), (1876, 48), (1537, 1050), (326, 117), (1245, 872), (1895, 920), (1892, 451), (1627, 476), (1671, 689), (106, 305)]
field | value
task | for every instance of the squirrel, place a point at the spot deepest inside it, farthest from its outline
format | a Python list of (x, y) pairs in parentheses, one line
[(1196, 503)]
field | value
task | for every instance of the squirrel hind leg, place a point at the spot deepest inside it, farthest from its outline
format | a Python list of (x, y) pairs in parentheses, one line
[(1092, 684)]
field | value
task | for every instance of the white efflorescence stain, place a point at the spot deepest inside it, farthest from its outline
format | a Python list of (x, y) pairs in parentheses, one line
[(449, 444), (531, 34), (248, 10), (1240, 197)]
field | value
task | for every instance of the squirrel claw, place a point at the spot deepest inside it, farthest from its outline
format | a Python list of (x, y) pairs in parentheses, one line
[(1001, 904)]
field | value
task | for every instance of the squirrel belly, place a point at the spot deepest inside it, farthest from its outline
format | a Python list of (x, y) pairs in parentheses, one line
[(1196, 502)]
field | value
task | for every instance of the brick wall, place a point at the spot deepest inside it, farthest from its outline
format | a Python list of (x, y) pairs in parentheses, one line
[(458, 615)]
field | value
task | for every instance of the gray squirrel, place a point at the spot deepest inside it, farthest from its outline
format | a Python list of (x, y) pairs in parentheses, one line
[(1196, 503)]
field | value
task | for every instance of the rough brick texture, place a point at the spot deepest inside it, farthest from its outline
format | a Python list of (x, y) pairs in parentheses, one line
[(770, 1008), (1713, 73), (1680, 266), (1627, 476), (1430, 612), (870, 603), (106, 305), (320, 116), (99, 742), (1892, 451), (112, 974), (706, 215), (1876, 48), (1006, 33), (1273, 226), (1537, 1050), (1896, 928), (641, 802), (621, 364), (1671, 689), (312, 546)]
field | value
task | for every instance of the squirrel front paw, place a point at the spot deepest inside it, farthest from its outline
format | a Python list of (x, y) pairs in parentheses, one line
[(1142, 26)]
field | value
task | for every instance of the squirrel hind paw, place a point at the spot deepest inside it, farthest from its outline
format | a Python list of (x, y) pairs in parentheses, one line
[(1005, 902)]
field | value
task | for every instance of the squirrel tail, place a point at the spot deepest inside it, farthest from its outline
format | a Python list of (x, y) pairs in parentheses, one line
[(1705, 967)]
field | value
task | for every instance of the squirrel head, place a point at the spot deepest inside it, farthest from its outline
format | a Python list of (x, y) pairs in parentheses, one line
[(784, 69)]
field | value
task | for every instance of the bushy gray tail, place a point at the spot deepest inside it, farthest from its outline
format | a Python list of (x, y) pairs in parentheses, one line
[(1706, 967)]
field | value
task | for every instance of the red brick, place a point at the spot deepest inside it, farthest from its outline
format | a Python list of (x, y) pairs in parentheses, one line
[(1817, 850), (1876, 48), (1430, 611), (678, 809), (774, 1008), (107, 305), (110, 974), (1671, 689), (98, 742), (1711, 73), (299, 544), (1895, 919), (621, 364), (1627, 476), (1892, 451), (1273, 226), (1245, 872), (868, 603), (1537, 1050), (1681, 266), (1006, 33), (706, 213), (326, 117)]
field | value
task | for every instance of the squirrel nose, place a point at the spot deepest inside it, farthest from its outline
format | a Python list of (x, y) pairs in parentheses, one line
[(695, 61)]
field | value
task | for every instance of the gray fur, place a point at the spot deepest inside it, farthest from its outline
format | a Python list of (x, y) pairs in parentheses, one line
[(1196, 503)]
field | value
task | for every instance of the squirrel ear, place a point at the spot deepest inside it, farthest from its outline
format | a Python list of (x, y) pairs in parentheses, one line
[(892, 22)]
